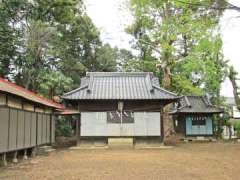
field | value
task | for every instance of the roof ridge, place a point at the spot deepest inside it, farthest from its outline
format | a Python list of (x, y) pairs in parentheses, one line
[(70, 92), (206, 101), (193, 95), (164, 90), (149, 82), (187, 101), (118, 73)]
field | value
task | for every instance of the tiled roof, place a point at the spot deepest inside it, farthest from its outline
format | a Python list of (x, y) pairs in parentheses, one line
[(196, 104), (9, 87), (119, 86)]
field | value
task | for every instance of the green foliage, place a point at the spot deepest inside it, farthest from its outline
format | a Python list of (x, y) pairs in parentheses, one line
[(63, 127), (9, 36), (46, 45), (182, 85), (56, 83), (184, 40), (106, 58), (237, 127)]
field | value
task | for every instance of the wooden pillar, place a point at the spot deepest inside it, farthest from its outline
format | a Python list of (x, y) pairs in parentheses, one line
[(161, 124), (33, 153), (78, 128), (80, 123), (25, 154), (4, 159), (15, 160)]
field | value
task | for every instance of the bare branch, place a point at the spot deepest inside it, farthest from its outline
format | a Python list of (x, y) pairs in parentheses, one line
[(150, 44)]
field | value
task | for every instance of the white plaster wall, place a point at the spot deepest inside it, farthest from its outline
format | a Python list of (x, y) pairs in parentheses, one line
[(145, 124)]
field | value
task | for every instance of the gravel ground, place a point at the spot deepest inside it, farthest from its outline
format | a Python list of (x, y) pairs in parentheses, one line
[(185, 162)]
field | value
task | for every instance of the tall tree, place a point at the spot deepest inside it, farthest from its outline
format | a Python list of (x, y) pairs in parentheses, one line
[(9, 34), (37, 39), (233, 78), (44, 39), (183, 40)]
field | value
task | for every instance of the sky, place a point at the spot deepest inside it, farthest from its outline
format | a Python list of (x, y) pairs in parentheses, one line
[(113, 16)]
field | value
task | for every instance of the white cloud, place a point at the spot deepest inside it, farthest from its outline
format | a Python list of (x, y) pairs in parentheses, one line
[(111, 17)]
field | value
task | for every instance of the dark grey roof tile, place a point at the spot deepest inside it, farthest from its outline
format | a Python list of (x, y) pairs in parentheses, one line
[(119, 85), (196, 104)]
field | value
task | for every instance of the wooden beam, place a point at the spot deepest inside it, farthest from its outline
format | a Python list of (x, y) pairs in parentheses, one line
[(161, 124), (78, 128)]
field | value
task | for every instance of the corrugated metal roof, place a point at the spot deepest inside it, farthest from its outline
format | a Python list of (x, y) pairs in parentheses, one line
[(119, 86), (196, 104), (9, 87)]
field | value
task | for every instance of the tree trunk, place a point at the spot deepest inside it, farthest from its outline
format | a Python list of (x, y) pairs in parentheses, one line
[(232, 77), (230, 132), (167, 82)]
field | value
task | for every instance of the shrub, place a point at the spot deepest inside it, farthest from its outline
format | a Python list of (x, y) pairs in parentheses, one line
[(63, 127), (237, 127)]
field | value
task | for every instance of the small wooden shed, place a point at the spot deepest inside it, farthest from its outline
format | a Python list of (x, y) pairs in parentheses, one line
[(194, 116), (26, 119)]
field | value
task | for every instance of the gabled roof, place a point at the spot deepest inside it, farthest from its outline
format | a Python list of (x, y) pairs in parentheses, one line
[(119, 86), (196, 104), (11, 88)]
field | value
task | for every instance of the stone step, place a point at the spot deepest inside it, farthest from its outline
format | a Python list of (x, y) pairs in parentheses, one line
[(44, 147), (154, 146), (42, 150), (199, 139), (80, 147), (120, 142)]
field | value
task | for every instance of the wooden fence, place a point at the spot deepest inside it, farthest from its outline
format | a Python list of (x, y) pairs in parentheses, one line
[(22, 129)]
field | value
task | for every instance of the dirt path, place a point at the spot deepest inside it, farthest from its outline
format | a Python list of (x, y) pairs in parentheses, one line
[(187, 162)]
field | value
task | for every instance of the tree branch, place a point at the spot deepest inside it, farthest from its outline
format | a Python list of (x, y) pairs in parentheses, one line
[(229, 6), (150, 44)]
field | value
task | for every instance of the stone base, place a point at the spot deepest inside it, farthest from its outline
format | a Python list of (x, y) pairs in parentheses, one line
[(120, 142), (82, 147), (4, 160), (15, 160), (44, 150), (199, 139), (151, 146)]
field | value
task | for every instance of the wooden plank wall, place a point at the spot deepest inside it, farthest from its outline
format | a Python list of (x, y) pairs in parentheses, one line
[(52, 129), (3, 99), (4, 129), (48, 129), (34, 129), (44, 129), (27, 129), (21, 129), (12, 143), (39, 128)]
